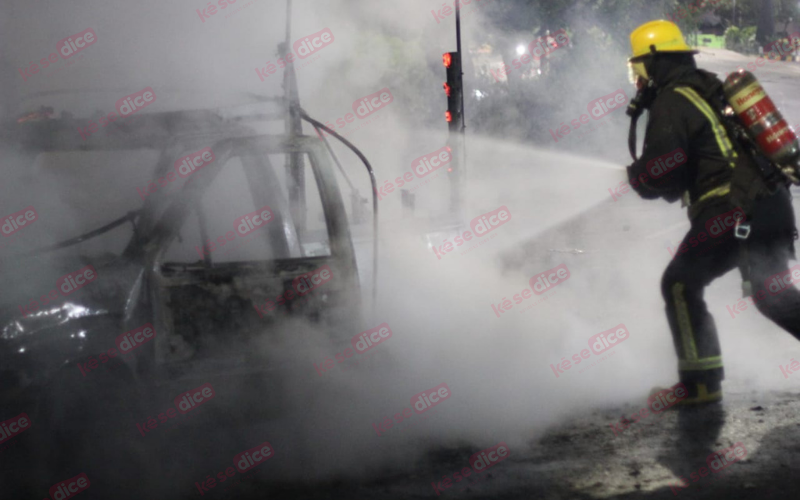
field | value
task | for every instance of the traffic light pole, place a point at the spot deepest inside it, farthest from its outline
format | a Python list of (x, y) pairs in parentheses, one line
[(457, 145), (461, 76)]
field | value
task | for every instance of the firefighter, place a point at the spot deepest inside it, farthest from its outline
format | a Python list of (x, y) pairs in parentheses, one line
[(736, 220)]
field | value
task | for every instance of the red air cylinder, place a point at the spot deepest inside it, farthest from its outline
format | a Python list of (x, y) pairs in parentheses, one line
[(762, 120)]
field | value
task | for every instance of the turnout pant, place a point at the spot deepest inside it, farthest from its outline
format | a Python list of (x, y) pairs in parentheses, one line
[(709, 251)]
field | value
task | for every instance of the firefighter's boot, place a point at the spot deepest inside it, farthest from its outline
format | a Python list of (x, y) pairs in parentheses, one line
[(703, 387)]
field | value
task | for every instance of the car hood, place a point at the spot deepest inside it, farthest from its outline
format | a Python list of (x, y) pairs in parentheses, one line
[(33, 301)]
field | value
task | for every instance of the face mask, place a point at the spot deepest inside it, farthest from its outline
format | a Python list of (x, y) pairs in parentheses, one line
[(637, 74)]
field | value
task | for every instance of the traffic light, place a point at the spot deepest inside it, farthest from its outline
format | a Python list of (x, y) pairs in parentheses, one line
[(453, 90)]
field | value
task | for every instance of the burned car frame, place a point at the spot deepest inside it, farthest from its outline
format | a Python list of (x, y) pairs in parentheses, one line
[(209, 314)]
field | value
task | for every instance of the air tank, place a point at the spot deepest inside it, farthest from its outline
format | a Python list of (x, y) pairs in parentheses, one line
[(762, 120)]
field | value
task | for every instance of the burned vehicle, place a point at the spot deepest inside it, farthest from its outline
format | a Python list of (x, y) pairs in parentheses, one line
[(239, 231)]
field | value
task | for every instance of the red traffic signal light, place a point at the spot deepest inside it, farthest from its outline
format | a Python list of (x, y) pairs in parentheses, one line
[(453, 90), (447, 59)]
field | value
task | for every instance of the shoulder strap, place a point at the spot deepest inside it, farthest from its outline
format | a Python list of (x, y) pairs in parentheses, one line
[(753, 176), (738, 139), (721, 134)]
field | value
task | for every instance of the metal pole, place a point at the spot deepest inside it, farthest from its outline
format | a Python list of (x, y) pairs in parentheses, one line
[(460, 64), (288, 21), (295, 168), (458, 49), (462, 167)]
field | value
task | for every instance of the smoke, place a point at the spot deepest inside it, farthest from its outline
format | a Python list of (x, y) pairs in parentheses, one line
[(499, 370)]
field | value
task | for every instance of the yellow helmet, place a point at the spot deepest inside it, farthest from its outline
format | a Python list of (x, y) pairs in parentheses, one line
[(664, 35)]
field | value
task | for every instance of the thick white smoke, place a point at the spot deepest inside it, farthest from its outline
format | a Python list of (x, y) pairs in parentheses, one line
[(439, 309)]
